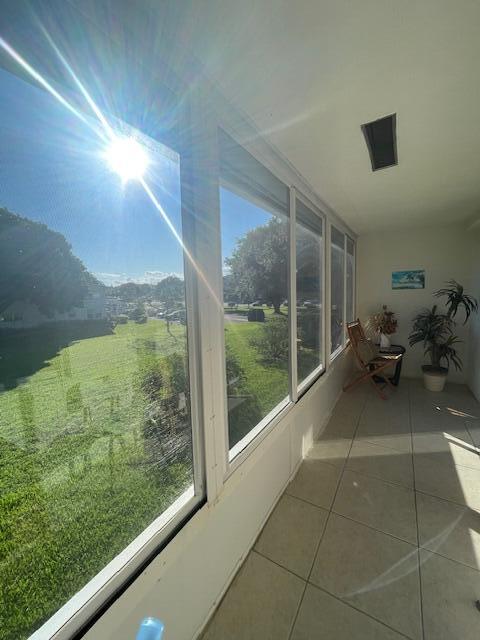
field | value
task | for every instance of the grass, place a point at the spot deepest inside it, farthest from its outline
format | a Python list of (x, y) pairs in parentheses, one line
[(75, 481), (264, 383)]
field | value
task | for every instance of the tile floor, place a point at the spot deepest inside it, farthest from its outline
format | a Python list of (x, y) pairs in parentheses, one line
[(378, 535)]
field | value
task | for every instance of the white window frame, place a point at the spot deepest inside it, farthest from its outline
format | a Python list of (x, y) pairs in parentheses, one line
[(346, 236), (300, 387), (354, 282), (340, 349), (254, 145), (236, 455)]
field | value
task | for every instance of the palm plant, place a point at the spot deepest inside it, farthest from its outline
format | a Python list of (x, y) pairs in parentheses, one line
[(435, 330), (456, 298)]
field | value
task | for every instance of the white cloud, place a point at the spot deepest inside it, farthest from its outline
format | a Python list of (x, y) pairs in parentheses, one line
[(148, 277)]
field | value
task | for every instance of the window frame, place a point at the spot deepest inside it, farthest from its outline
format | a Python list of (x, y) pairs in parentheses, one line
[(254, 437), (346, 237), (299, 388), (296, 391), (260, 431), (354, 281), (334, 354)]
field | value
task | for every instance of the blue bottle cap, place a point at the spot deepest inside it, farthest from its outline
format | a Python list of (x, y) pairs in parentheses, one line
[(150, 629)]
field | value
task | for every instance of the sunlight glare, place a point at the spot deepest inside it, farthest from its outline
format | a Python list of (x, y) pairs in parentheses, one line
[(127, 158)]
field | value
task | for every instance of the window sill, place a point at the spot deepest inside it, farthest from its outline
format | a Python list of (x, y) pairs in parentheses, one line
[(305, 385), (338, 351)]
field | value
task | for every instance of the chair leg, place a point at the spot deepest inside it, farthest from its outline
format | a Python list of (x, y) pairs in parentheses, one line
[(362, 378), (390, 383), (377, 389), (353, 384), (369, 375), (387, 381)]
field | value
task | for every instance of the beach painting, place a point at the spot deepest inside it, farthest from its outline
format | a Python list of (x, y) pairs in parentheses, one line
[(408, 279)]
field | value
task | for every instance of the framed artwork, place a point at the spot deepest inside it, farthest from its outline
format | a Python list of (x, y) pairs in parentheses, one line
[(408, 279)]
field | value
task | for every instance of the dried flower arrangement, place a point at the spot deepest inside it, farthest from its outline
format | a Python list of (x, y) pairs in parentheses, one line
[(385, 322)]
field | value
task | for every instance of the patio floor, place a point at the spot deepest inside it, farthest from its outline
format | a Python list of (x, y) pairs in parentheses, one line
[(378, 535)]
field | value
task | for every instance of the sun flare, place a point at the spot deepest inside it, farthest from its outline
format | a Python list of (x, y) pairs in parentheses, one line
[(127, 158)]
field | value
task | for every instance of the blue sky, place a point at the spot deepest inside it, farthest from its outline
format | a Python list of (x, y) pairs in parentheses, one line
[(52, 170)]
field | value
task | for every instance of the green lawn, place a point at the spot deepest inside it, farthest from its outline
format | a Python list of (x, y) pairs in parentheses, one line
[(78, 480), (76, 483), (265, 382)]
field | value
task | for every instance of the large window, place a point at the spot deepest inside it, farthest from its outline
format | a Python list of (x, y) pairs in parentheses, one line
[(309, 291), (337, 288), (96, 440), (255, 248)]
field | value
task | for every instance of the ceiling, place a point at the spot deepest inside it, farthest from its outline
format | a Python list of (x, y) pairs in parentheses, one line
[(309, 73)]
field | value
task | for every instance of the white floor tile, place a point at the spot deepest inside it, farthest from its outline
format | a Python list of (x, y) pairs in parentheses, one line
[(323, 617), (387, 507), (449, 593), (373, 571), (291, 536)]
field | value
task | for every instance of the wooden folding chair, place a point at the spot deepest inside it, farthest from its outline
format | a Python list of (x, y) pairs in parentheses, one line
[(371, 363)]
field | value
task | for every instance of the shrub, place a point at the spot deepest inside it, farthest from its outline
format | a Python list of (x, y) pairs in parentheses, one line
[(138, 314), (163, 382), (245, 412), (272, 342), (308, 321), (235, 373)]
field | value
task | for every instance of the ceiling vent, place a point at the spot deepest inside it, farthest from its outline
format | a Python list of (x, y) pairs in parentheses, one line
[(381, 139)]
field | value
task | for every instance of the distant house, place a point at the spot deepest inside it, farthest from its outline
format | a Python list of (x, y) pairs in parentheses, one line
[(115, 306), (24, 315)]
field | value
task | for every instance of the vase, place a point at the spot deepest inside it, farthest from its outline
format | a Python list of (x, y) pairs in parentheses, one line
[(384, 341)]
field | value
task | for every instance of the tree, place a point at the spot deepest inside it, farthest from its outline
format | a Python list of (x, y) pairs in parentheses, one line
[(132, 291), (230, 293), (171, 291), (37, 266), (258, 265), (129, 291), (138, 314)]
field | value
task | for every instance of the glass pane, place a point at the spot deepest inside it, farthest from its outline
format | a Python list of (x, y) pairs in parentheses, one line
[(95, 434), (309, 245), (337, 288), (350, 311), (255, 254)]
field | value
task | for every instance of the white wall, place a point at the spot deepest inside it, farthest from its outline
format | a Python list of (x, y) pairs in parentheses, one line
[(184, 584), (444, 253)]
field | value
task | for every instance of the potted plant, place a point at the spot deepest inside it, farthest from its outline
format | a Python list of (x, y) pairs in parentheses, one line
[(385, 324), (436, 331)]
